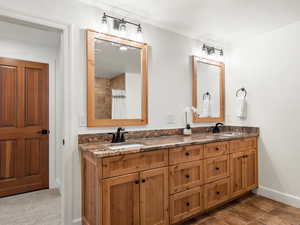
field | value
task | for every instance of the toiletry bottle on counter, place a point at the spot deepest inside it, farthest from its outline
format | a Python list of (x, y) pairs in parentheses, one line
[(187, 130)]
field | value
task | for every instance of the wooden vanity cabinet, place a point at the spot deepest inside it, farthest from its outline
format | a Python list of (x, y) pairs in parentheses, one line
[(166, 186)]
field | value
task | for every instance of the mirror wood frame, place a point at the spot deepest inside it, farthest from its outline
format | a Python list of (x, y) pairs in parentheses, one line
[(91, 37), (221, 65)]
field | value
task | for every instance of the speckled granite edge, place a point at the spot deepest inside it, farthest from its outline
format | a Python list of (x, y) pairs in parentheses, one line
[(104, 137), (102, 149)]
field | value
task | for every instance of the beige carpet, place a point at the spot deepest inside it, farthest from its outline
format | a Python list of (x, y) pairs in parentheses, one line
[(34, 208)]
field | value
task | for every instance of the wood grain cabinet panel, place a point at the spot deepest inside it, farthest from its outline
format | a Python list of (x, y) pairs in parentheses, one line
[(216, 193), (251, 170), (119, 165), (121, 200), (186, 204), (185, 176), (216, 149), (154, 196), (244, 172), (243, 144), (185, 154), (237, 173), (216, 168)]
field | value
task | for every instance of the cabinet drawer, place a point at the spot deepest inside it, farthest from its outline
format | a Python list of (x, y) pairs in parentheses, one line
[(216, 149), (216, 168), (185, 176), (216, 193), (186, 204), (243, 144), (118, 165), (185, 154)]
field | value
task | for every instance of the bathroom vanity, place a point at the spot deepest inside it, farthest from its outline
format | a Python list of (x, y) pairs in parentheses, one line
[(165, 180)]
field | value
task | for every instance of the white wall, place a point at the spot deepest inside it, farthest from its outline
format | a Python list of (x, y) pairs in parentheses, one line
[(268, 67), (169, 80), (27, 43)]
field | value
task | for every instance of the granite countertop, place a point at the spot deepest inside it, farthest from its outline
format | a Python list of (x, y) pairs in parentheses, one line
[(100, 149)]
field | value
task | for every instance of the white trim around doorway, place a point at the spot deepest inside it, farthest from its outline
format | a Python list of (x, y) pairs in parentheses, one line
[(70, 138)]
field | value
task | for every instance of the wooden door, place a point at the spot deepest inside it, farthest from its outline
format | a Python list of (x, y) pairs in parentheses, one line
[(251, 177), (237, 172), (154, 197), (121, 200), (23, 115)]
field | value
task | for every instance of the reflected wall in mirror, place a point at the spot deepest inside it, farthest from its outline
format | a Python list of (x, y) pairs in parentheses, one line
[(117, 81), (208, 90)]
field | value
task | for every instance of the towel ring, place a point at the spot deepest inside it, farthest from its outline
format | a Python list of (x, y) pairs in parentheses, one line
[(208, 95), (241, 90)]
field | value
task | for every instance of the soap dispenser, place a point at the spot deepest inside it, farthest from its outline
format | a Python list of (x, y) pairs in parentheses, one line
[(187, 130)]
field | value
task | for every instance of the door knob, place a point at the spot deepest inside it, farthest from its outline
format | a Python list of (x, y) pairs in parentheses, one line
[(44, 132)]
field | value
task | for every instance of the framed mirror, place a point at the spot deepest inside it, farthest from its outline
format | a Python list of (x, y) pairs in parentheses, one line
[(116, 81), (208, 90)]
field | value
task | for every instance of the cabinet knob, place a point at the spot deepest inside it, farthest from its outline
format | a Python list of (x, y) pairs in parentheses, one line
[(137, 182), (187, 176), (187, 153), (143, 180), (217, 192), (187, 204), (217, 148), (217, 168)]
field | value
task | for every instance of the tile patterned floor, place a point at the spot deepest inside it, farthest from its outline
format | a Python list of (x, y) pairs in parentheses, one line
[(34, 208), (43, 208), (250, 210)]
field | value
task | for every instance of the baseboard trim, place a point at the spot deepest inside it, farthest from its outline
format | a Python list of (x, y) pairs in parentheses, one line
[(279, 196), (77, 221)]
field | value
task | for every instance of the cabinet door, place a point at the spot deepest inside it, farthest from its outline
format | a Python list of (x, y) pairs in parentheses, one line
[(121, 200), (251, 177), (154, 197), (237, 173)]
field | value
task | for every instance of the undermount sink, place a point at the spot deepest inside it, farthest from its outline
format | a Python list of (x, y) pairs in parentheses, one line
[(127, 146)]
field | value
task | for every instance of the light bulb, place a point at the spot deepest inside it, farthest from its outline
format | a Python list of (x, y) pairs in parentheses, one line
[(104, 28), (139, 34), (122, 28)]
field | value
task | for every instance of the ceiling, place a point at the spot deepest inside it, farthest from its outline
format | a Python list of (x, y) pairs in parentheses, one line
[(222, 21), (110, 61)]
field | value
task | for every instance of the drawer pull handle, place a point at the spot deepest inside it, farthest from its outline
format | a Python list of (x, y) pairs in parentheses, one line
[(137, 182), (187, 176), (217, 192), (187, 153), (143, 180), (217, 168), (187, 204)]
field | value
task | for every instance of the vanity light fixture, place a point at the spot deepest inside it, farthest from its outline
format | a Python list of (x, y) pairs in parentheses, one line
[(212, 50), (121, 26), (105, 26)]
